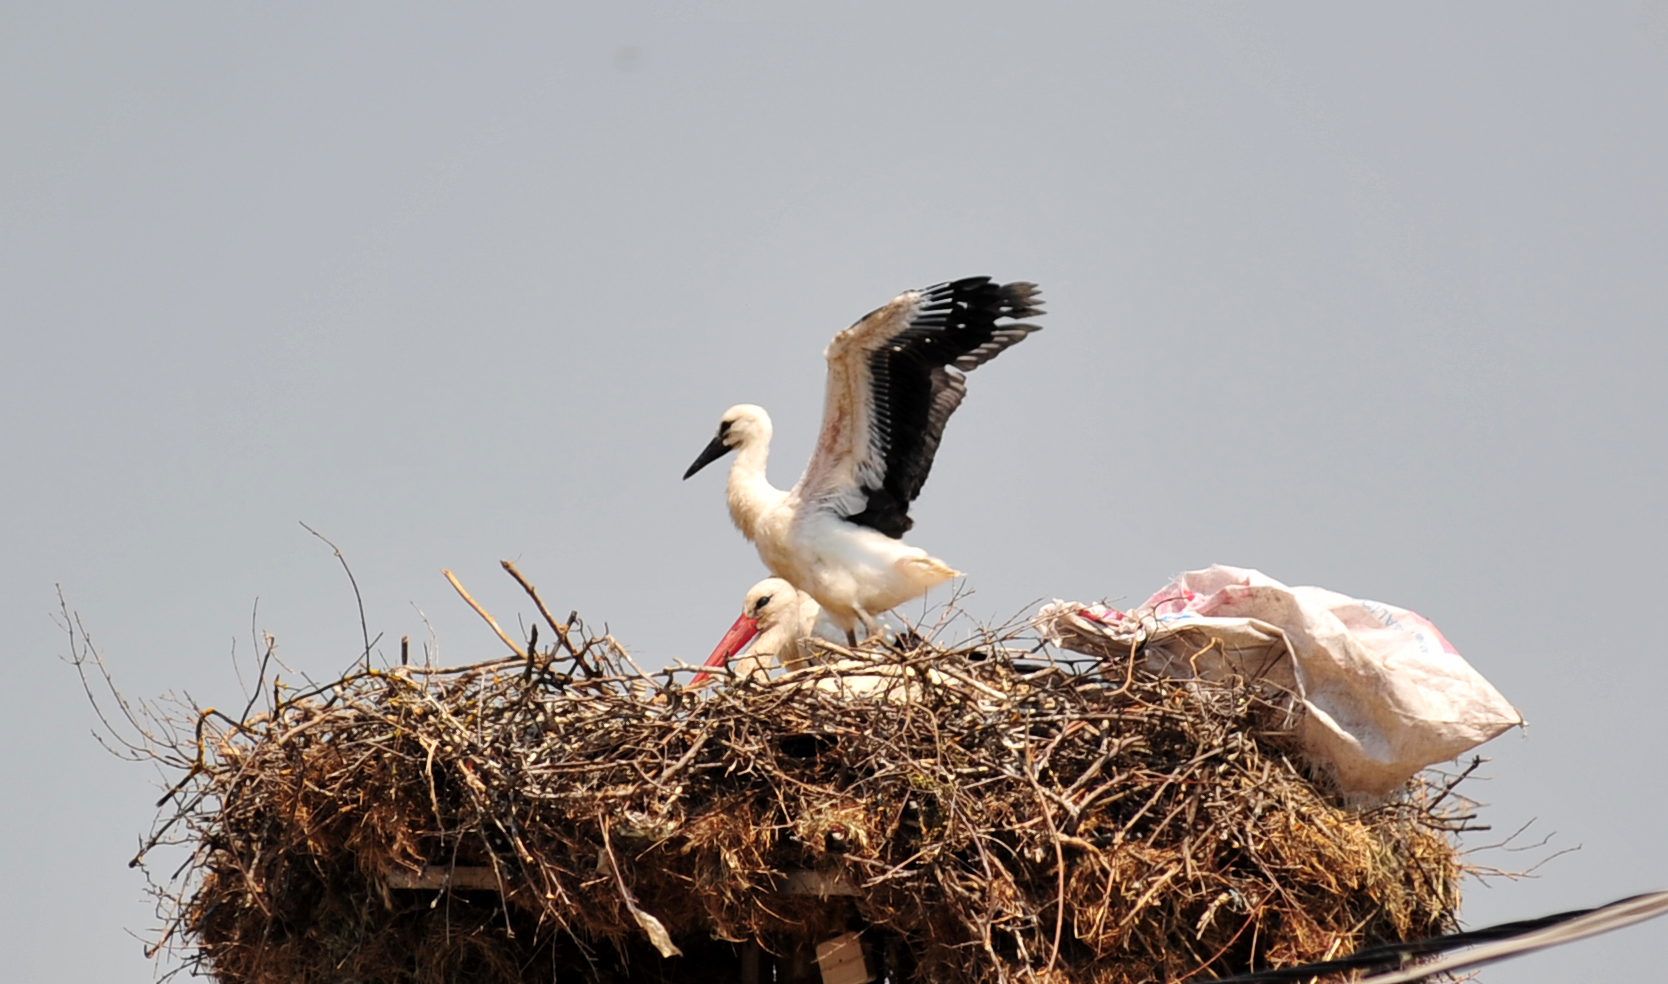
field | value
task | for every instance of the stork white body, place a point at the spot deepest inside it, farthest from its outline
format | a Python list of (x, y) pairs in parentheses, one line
[(894, 378), (852, 571)]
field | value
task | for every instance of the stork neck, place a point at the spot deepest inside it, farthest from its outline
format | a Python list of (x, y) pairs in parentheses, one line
[(750, 493)]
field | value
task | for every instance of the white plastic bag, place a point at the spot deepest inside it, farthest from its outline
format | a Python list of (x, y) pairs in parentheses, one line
[(1384, 693)]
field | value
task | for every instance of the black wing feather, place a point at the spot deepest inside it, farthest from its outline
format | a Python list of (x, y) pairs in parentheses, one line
[(918, 383)]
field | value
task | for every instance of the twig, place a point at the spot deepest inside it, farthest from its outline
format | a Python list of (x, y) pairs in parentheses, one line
[(364, 628), (483, 613), (559, 628)]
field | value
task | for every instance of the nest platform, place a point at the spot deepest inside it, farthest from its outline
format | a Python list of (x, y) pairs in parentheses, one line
[(990, 811)]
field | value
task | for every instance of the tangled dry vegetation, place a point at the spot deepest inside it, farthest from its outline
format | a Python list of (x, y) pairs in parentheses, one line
[(1026, 815)]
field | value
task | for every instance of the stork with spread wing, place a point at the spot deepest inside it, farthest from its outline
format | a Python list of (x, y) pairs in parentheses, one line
[(894, 378)]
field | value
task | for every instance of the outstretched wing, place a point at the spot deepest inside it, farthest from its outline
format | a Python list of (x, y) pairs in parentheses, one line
[(894, 378)]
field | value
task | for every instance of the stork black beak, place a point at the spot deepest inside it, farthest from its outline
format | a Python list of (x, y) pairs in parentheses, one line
[(717, 449)]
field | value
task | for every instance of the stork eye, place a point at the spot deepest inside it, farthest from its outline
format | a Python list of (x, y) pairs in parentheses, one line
[(762, 603)]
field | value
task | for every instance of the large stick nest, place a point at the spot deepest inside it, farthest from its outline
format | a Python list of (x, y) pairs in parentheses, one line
[(976, 817)]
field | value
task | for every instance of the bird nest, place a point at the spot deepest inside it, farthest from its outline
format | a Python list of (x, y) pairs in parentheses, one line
[(988, 811)]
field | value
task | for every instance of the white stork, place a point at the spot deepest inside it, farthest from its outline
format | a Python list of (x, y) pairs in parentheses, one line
[(780, 621), (894, 378), (775, 617)]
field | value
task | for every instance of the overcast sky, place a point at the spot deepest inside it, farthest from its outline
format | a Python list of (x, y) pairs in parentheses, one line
[(1373, 301)]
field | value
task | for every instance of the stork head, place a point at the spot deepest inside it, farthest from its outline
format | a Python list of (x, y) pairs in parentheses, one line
[(769, 603), (743, 425)]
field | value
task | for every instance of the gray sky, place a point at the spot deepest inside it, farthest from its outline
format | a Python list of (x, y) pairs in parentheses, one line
[(1369, 300)]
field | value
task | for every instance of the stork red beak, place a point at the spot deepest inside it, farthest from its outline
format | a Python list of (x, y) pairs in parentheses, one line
[(740, 634)]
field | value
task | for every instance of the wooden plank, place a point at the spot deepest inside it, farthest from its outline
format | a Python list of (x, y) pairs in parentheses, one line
[(437, 877), (815, 883)]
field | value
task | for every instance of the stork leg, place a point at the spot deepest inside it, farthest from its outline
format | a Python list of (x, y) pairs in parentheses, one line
[(870, 623)]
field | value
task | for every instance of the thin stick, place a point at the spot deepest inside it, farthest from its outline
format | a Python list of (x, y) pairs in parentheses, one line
[(358, 599), (483, 613)]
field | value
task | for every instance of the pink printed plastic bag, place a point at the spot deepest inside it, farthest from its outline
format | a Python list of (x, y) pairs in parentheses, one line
[(1383, 693)]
